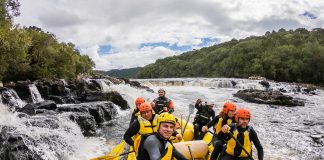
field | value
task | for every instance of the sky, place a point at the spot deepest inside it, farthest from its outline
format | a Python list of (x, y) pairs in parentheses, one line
[(120, 34)]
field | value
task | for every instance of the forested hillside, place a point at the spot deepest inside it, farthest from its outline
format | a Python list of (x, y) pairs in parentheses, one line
[(123, 73), (30, 53), (292, 56)]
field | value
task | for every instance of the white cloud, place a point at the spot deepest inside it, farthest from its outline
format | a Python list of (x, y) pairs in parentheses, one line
[(125, 24)]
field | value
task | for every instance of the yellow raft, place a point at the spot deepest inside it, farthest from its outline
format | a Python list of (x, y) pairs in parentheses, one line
[(201, 149)]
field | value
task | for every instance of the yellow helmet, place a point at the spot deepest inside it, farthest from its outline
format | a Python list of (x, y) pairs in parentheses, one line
[(166, 118)]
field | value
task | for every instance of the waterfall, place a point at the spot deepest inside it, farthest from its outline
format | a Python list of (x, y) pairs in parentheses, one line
[(11, 98), (36, 96)]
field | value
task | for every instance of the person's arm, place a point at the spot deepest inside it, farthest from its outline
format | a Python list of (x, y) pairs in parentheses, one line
[(213, 122), (131, 131), (133, 117), (213, 114), (152, 146), (178, 155), (171, 106), (254, 137)]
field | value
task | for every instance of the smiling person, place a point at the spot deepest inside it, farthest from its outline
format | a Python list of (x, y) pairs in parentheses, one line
[(158, 146), (244, 134), (162, 103)]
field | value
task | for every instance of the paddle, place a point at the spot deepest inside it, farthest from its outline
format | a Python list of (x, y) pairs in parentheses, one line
[(231, 134), (191, 110), (190, 152), (109, 157), (181, 122)]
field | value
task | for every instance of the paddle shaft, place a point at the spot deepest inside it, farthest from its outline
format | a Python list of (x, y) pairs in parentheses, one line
[(186, 124), (191, 153), (231, 134)]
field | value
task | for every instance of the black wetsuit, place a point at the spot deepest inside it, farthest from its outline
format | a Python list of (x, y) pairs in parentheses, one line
[(218, 142), (237, 150), (161, 102), (134, 129), (154, 147), (134, 117), (203, 116)]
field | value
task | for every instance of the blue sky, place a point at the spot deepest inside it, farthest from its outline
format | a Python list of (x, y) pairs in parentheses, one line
[(126, 33)]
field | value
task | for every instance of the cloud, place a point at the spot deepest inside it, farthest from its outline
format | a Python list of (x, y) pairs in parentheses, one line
[(156, 29)]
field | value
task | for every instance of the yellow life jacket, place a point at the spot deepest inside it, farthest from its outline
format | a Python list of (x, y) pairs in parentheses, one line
[(145, 125), (232, 143), (139, 140), (219, 125)]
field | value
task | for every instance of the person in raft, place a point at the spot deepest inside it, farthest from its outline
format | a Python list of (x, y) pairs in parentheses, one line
[(240, 135), (226, 116), (158, 146)]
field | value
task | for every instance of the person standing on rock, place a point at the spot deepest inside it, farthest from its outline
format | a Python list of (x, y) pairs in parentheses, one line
[(162, 103), (204, 115), (239, 137)]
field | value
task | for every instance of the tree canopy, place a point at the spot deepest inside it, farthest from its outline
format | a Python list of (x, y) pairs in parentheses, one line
[(30, 53), (291, 56)]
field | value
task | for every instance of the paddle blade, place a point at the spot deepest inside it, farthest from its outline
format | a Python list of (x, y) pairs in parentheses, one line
[(191, 108), (114, 154)]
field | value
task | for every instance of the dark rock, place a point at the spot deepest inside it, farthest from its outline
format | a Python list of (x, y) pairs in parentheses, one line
[(10, 98), (51, 87), (14, 146), (233, 83), (22, 89), (28, 109), (73, 108), (268, 97), (56, 99), (265, 84), (49, 105), (114, 97), (86, 122)]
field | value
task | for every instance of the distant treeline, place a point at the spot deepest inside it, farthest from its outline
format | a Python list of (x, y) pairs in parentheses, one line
[(291, 56), (123, 73), (30, 53)]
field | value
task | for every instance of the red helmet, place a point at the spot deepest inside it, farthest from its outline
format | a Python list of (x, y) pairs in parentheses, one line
[(139, 101), (242, 113), (145, 107), (229, 106)]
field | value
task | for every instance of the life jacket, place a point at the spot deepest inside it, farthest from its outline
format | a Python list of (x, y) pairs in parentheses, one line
[(146, 127), (138, 147), (203, 117), (231, 144), (160, 103), (219, 125)]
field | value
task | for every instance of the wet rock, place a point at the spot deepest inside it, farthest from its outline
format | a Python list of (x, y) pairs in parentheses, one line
[(28, 109), (86, 122), (10, 98), (317, 138), (114, 97), (265, 84), (90, 115), (51, 87), (22, 89), (49, 105), (268, 97), (233, 83), (47, 121), (14, 146)]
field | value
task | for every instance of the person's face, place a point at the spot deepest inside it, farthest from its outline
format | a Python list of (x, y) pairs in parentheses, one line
[(147, 115), (231, 113), (161, 93), (166, 130), (243, 122)]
